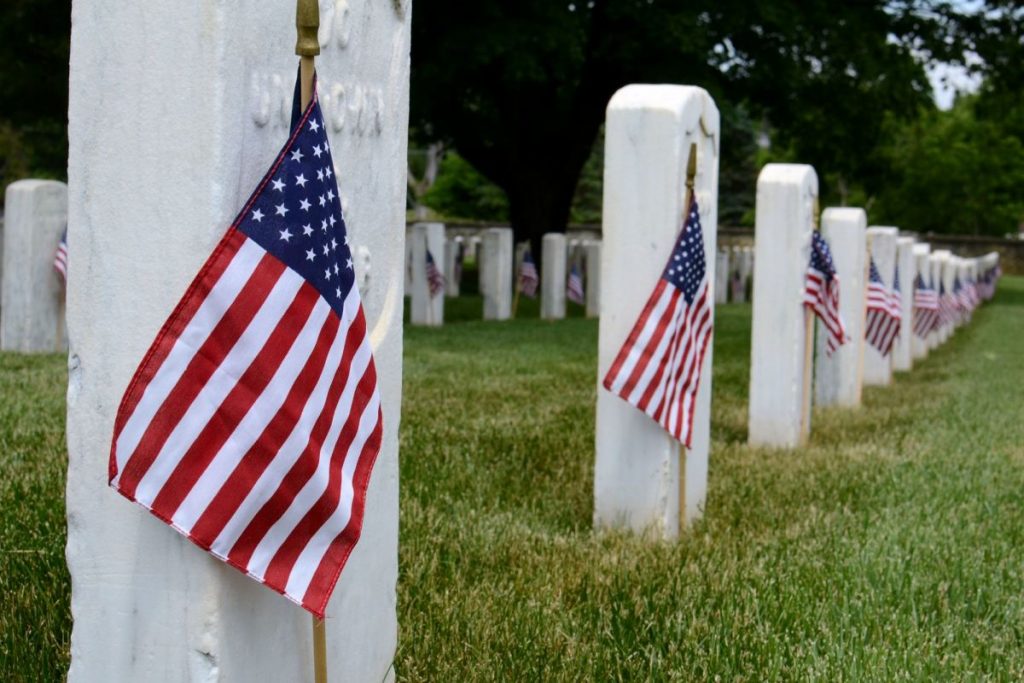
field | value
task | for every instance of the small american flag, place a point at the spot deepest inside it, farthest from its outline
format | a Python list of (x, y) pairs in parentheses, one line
[(883, 313), (60, 259), (961, 298), (821, 292), (253, 422), (435, 279), (528, 278), (947, 306), (926, 308), (658, 368), (574, 286)]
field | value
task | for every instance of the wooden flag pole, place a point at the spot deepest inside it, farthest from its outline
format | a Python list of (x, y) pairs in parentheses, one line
[(307, 47), (691, 176)]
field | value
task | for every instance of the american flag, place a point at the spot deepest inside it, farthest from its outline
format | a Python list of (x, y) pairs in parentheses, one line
[(435, 280), (574, 286), (460, 257), (926, 308), (947, 305), (254, 420), (658, 368), (528, 278), (883, 313), (961, 299), (60, 259), (821, 292)]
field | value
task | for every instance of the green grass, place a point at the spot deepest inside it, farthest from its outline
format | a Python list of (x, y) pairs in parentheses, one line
[(892, 548)]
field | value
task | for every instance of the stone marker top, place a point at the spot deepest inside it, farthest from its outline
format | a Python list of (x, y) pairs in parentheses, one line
[(846, 214), (883, 230), (675, 100), (922, 249), (790, 174)]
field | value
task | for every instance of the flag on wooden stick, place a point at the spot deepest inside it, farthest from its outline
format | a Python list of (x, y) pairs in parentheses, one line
[(574, 286), (821, 292), (926, 308), (60, 258), (883, 313), (254, 420), (528, 277), (659, 366), (435, 279)]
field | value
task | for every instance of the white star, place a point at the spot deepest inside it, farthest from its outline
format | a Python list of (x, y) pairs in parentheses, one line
[(297, 155), (328, 171), (317, 151), (346, 238), (330, 195), (337, 292), (333, 221), (314, 126), (323, 200), (310, 255), (327, 250), (335, 268), (327, 273), (320, 175), (323, 225), (257, 215), (304, 205), (278, 184), (281, 210), (348, 264), (300, 180), (307, 229), (286, 235)]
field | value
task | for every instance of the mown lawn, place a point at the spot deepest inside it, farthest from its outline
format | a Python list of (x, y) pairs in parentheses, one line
[(892, 548)]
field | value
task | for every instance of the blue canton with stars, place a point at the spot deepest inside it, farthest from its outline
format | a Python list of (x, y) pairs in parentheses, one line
[(896, 279), (821, 257), (296, 212), (874, 275), (685, 269)]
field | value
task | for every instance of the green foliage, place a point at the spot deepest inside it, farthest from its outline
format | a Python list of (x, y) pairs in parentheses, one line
[(461, 192), (952, 172)]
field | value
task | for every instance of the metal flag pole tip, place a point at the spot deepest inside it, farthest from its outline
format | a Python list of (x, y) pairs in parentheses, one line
[(307, 45)]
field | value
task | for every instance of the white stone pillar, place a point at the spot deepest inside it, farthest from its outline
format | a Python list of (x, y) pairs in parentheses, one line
[(721, 276), (452, 271), (649, 133), (552, 279), (922, 268), (902, 358), (746, 271), (946, 278), (32, 306), (781, 350), (881, 248), (496, 273), (592, 268), (838, 378), (171, 126), (424, 308)]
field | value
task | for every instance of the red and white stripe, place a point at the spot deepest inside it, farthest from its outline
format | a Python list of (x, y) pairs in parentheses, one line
[(926, 311), (883, 318), (658, 368), (254, 440), (823, 299)]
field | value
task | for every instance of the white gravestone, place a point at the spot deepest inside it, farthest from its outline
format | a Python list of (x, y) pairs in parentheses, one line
[(552, 279), (882, 249), (922, 269), (902, 358), (452, 269), (780, 369), (745, 267), (496, 273), (945, 276), (838, 378), (962, 273), (592, 276), (32, 306), (935, 268), (721, 276), (147, 604), (424, 308), (649, 133)]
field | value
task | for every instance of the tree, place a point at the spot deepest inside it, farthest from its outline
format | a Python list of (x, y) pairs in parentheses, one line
[(520, 89)]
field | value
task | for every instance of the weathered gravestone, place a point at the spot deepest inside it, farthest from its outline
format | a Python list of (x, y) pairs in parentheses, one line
[(426, 308), (721, 276), (32, 306), (453, 266), (838, 378), (902, 358), (592, 275), (552, 279), (882, 250), (147, 604), (782, 334), (650, 130), (496, 273), (922, 266)]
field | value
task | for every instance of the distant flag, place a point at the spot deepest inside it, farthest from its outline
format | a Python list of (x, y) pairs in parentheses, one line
[(821, 292), (658, 368), (883, 318), (60, 259), (947, 306), (960, 298), (460, 255), (435, 279), (253, 422), (528, 278), (574, 286), (926, 308)]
